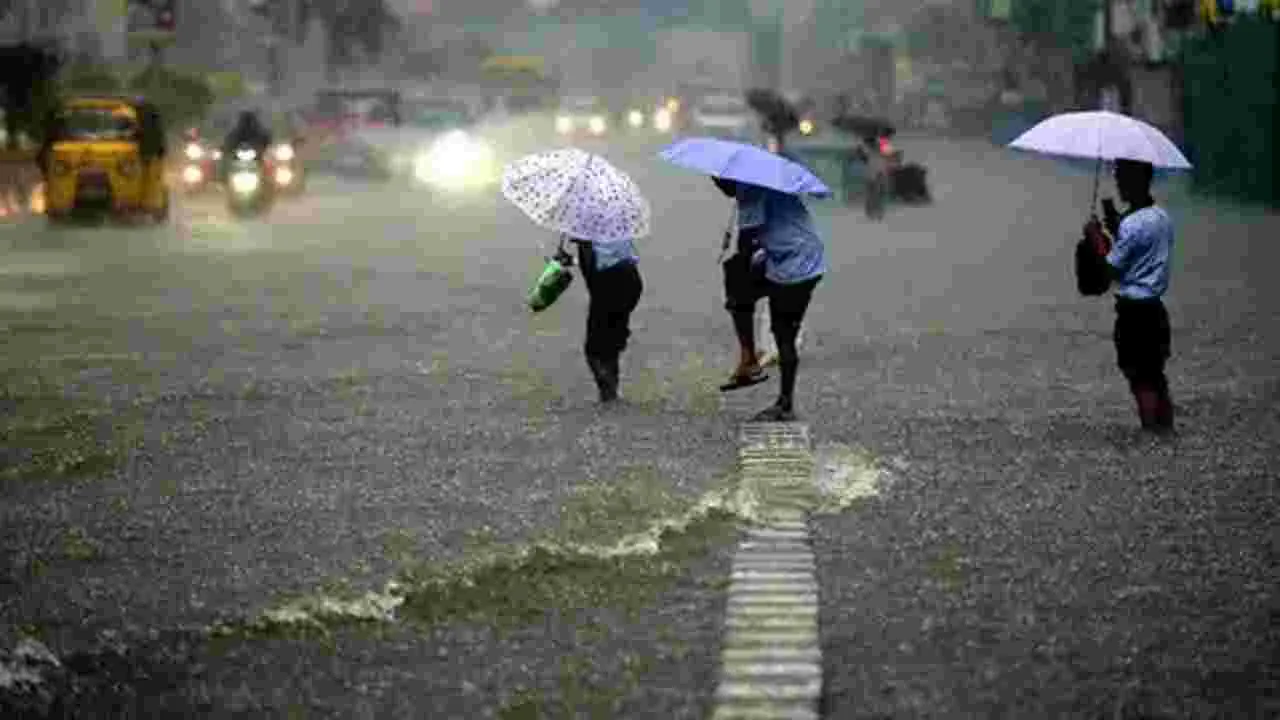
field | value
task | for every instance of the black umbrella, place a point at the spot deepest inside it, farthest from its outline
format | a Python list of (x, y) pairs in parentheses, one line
[(864, 126), (779, 116)]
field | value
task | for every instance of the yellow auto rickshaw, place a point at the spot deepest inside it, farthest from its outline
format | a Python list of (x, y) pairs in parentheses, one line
[(105, 154)]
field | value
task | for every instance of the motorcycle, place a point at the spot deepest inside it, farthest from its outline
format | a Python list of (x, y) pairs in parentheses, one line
[(199, 167), (249, 192), (285, 168)]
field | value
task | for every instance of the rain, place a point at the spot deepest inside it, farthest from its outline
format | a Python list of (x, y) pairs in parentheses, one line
[(717, 359)]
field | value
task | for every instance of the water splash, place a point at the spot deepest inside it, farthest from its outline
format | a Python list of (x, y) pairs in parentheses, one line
[(320, 611), (847, 475)]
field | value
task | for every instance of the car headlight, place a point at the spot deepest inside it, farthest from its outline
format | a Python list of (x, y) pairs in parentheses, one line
[(192, 175), (662, 120), (455, 160), (596, 125), (246, 154), (194, 151), (635, 118), (284, 153), (245, 182), (564, 124), (806, 127)]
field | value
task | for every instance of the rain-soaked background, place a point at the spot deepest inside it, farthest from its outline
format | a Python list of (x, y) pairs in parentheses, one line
[(316, 458)]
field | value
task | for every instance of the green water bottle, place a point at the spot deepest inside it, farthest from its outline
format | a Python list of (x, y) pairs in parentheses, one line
[(552, 282)]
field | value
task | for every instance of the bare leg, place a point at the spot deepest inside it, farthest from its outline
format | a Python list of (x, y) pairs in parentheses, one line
[(744, 324)]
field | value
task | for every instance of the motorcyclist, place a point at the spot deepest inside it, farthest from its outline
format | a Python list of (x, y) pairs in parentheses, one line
[(250, 131)]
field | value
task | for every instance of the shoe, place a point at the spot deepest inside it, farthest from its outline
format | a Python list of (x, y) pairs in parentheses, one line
[(769, 359), (741, 380)]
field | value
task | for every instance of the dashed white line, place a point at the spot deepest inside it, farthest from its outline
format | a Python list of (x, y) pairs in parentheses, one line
[(771, 662)]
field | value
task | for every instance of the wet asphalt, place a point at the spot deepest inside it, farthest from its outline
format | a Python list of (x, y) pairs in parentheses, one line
[(360, 367)]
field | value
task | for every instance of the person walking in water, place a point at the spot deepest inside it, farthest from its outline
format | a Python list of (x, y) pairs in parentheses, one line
[(1139, 264), (781, 257), (612, 275)]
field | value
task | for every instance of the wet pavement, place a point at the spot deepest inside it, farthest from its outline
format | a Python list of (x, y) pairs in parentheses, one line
[(234, 414)]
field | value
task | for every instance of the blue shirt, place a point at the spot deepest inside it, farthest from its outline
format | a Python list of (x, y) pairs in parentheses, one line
[(793, 252), (615, 253), (1141, 254)]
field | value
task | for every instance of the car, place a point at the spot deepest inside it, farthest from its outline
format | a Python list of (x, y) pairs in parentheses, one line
[(722, 115), (647, 114), (582, 114)]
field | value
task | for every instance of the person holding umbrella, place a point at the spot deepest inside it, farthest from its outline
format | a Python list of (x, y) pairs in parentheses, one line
[(598, 208), (1136, 247), (780, 254), (1139, 263)]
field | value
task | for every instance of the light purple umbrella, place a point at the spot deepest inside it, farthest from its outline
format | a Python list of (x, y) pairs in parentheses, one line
[(1101, 135), (744, 163)]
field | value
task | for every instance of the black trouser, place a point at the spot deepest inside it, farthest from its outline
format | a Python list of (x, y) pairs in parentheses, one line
[(787, 307), (744, 284), (1143, 341), (877, 195), (613, 295)]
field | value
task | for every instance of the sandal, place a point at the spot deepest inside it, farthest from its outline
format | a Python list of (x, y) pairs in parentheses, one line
[(775, 413), (737, 382)]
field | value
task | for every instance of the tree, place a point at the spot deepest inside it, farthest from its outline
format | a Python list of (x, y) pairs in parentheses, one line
[(1068, 24), (26, 82), (351, 26)]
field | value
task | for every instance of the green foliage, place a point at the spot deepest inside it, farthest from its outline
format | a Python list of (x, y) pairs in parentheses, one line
[(26, 87), (350, 27), (1070, 23), (89, 78), (181, 97)]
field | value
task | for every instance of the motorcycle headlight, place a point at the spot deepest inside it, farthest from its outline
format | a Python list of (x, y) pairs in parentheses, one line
[(564, 124), (246, 154), (635, 118), (284, 153), (217, 154), (284, 176), (194, 151), (192, 175), (596, 125), (245, 182)]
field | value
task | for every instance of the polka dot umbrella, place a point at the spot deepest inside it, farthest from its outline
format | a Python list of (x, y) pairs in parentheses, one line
[(579, 194)]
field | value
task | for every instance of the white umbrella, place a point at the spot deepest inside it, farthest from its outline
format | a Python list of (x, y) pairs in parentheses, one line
[(579, 194), (1101, 135)]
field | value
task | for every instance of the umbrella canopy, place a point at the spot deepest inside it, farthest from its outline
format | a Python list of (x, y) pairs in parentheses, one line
[(579, 194), (1102, 135), (746, 164)]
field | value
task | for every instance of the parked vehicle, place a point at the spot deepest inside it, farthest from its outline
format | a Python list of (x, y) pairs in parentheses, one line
[(722, 115)]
